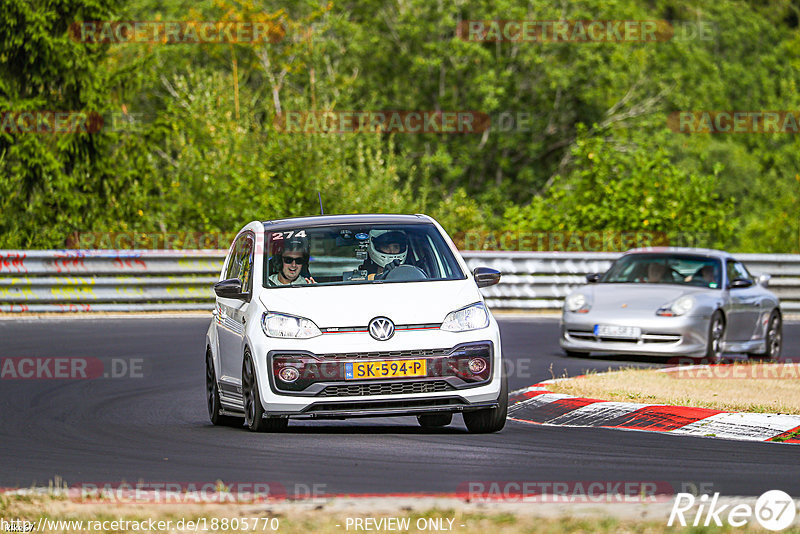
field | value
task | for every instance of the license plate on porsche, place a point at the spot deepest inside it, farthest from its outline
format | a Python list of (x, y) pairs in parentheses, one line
[(384, 369), (627, 332)]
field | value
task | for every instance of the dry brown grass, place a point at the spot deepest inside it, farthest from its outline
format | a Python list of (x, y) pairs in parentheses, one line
[(734, 388), (296, 518)]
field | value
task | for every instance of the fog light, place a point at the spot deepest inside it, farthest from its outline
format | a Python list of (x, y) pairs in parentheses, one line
[(477, 365), (289, 374)]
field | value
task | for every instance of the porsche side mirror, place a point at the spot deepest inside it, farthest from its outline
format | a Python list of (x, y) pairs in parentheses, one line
[(739, 283), (593, 278), (229, 289), (484, 276)]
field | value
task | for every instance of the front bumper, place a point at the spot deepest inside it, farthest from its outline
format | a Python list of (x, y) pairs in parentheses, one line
[(333, 396), (385, 408), (661, 336)]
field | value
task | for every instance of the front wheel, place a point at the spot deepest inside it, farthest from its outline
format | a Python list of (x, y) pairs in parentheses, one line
[(435, 420), (716, 333), (490, 419), (253, 409)]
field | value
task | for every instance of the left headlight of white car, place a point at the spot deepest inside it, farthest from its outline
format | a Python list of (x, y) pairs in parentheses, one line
[(288, 326), (472, 317), (679, 306)]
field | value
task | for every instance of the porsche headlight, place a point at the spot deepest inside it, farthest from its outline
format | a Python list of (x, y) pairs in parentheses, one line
[(680, 306), (288, 326), (576, 302), (473, 317)]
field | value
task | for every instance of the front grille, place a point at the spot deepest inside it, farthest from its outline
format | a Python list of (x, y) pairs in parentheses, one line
[(661, 338), (385, 354), (646, 338), (581, 334), (391, 388)]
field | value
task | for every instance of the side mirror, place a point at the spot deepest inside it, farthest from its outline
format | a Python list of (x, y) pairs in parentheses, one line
[(739, 283), (763, 280), (593, 278), (484, 276), (229, 289)]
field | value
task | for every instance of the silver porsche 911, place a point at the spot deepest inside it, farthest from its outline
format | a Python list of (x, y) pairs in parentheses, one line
[(673, 302)]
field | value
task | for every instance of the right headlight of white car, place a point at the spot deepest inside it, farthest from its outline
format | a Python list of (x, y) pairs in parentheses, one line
[(577, 303), (288, 326)]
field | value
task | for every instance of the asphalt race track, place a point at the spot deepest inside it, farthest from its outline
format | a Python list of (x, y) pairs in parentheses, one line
[(155, 428)]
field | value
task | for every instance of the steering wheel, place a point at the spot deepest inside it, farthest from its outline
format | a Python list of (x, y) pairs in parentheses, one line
[(405, 273)]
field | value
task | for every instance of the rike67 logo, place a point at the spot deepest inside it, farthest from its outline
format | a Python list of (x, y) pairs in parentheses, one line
[(774, 510)]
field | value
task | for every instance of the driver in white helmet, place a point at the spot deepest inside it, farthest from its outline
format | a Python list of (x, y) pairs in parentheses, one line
[(387, 249)]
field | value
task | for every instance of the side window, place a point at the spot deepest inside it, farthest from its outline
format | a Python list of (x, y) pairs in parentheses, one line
[(240, 264), (245, 257), (737, 270), (231, 268)]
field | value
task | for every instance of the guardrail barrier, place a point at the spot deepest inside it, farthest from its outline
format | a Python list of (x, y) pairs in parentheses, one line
[(154, 280)]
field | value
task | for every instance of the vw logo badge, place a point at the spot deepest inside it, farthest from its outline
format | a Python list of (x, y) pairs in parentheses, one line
[(381, 328)]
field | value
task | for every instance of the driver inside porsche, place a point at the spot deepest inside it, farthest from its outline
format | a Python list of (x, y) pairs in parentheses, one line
[(386, 250)]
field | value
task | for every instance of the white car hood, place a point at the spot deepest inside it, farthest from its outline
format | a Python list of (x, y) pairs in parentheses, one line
[(355, 305)]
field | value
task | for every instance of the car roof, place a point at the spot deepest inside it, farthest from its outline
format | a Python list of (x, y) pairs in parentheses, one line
[(707, 252), (325, 220)]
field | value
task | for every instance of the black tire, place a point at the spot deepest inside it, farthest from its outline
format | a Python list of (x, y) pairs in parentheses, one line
[(435, 420), (212, 397), (575, 354), (774, 339), (251, 399), (716, 333), (490, 419)]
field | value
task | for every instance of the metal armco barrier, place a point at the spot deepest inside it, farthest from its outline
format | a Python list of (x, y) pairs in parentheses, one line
[(155, 280), (108, 280)]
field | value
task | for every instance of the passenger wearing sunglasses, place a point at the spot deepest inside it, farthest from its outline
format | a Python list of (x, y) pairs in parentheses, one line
[(291, 261)]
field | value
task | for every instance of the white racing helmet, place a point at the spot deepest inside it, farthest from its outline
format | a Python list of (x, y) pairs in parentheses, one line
[(380, 239)]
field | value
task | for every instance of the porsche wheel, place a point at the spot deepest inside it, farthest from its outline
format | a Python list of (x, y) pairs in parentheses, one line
[(716, 333), (773, 339)]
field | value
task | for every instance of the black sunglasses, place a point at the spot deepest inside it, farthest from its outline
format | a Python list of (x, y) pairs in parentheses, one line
[(288, 260)]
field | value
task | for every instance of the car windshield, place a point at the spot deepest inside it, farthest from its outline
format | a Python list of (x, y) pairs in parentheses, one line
[(357, 254), (666, 269)]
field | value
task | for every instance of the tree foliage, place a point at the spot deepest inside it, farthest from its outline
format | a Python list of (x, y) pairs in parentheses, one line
[(578, 139)]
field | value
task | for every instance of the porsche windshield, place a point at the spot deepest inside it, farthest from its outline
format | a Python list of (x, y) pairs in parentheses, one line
[(666, 269), (357, 254)]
